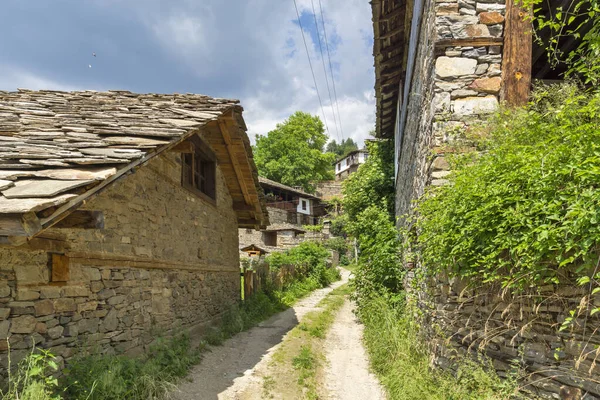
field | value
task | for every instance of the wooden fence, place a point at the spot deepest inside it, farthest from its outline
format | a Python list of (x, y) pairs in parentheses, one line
[(257, 277)]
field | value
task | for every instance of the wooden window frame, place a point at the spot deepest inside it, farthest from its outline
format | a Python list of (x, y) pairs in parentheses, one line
[(199, 168)]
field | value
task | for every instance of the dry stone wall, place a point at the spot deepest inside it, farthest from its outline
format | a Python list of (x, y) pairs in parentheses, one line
[(452, 88), (166, 261)]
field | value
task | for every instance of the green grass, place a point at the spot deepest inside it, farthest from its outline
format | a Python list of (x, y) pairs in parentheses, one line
[(402, 361), (153, 376)]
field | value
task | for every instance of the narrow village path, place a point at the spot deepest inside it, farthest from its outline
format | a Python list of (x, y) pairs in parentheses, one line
[(234, 370), (347, 374)]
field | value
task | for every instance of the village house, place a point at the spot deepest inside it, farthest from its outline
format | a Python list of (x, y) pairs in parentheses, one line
[(349, 163), (119, 216), (289, 210), (440, 67)]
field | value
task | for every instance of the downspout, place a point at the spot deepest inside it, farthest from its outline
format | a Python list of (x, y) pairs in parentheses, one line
[(410, 66)]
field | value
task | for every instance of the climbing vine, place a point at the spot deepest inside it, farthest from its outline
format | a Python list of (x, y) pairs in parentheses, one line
[(526, 211)]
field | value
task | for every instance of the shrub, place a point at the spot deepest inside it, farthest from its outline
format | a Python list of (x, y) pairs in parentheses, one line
[(525, 212), (379, 263)]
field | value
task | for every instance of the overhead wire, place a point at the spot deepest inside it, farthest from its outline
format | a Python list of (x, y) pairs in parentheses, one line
[(337, 105), (325, 68), (311, 67)]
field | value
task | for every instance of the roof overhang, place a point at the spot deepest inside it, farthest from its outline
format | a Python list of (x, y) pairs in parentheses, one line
[(390, 19)]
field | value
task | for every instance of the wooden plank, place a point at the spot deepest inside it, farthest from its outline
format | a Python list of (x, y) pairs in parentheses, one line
[(38, 188), (82, 219), (470, 42), (242, 206), (60, 268), (516, 60)]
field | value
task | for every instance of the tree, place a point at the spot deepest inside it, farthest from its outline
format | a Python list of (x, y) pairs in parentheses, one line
[(292, 153), (343, 148)]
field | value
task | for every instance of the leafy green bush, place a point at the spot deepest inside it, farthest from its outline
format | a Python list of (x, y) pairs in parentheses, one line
[(372, 184), (379, 262), (526, 211), (309, 258), (340, 245), (402, 361)]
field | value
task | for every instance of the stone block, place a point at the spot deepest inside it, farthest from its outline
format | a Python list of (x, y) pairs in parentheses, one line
[(41, 328), (50, 292), (23, 324), (490, 7), (440, 164), (4, 290), (477, 30), (491, 18), (88, 325), (44, 307), (32, 274), (55, 332), (487, 85), (4, 313), (475, 105), (27, 294), (106, 293), (111, 321), (452, 67), (76, 291), (96, 286), (21, 307), (116, 300), (71, 331), (93, 274), (446, 8), (88, 306), (65, 305), (4, 329), (441, 102)]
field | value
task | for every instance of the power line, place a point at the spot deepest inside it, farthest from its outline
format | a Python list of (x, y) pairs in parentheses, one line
[(311, 67), (325, 69), (331, 69)]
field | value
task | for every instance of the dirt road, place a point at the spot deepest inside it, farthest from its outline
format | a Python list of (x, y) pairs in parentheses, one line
[(235, 370), (347, 374)]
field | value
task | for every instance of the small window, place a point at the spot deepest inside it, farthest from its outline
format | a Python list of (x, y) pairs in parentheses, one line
[(304, 205), (339, 166), (199, 169), (270, 238)]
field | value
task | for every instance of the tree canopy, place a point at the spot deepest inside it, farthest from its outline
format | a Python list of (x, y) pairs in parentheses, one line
[(292, 153), (342, 148)]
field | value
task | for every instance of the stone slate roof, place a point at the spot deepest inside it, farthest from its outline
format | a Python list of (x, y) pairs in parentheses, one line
[(270, 183), (284, 227), (56, 146)]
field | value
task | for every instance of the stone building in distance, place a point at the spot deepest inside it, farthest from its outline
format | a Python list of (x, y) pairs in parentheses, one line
[(349, 163), (289, 210), (119, 216)]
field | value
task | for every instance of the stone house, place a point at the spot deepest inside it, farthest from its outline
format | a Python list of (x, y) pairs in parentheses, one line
[(119, 216), (289, 209), (441, 66), (349, 163)]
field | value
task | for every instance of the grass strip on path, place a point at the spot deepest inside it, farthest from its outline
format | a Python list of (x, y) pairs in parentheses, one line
[(297, 365)]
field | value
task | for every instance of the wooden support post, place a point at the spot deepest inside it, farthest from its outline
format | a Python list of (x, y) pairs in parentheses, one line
[(516, 61)]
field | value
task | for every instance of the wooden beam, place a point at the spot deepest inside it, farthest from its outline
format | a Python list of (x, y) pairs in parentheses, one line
[(183, 147), (389, 34), (82, 219), (223, 126), (516, 60), (242, 206), (470, 42)]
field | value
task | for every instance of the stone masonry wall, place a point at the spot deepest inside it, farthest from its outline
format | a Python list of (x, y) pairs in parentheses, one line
[(166, 261), (452, 88)]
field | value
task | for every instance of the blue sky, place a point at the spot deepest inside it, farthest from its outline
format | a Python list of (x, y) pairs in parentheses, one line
[(246, 49)]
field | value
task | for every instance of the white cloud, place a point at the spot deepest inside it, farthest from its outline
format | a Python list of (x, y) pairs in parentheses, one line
[(12, 78), (259, 43)]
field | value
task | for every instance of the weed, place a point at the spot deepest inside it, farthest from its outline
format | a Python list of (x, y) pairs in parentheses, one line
[(33, 378)]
